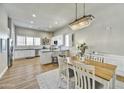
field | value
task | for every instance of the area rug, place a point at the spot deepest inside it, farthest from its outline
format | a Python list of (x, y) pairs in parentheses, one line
[(50, 80)]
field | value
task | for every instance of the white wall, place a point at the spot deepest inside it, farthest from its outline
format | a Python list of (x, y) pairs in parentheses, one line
[(31, 32), (3, 21), (13, 32), (106, 34), (3, 34)]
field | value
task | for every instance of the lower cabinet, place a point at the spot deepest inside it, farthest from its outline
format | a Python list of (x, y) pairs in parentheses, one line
[(45, 57), (24, 54)]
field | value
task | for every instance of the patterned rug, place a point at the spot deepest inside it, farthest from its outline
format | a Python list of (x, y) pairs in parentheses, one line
[(50, 80)]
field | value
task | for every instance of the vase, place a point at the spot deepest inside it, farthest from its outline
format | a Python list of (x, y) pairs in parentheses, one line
[(82, 58)]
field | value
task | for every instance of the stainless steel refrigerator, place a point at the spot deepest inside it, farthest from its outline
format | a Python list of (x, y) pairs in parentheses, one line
[(9, 52)]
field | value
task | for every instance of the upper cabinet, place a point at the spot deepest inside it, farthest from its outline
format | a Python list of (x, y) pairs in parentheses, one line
[(58, 40), (66, 40), (69, 40)]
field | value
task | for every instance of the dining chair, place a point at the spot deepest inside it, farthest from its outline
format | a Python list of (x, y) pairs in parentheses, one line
[(85, 76), (65, 73), (94, 58)]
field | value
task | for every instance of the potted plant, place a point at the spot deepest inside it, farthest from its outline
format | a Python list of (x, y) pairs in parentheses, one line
[(82, 49)]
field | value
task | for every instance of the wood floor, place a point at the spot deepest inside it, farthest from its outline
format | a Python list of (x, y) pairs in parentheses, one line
[(22, 75)]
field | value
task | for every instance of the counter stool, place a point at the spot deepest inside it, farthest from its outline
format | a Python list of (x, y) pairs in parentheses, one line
[(54, 59)]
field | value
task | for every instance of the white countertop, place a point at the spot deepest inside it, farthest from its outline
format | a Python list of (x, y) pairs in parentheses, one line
[(48, 50)]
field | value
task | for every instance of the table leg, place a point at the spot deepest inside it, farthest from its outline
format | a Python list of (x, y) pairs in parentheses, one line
[(107, 85), (113, 81)]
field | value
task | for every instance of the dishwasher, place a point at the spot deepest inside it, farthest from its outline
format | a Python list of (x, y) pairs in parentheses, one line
[(37, 52)]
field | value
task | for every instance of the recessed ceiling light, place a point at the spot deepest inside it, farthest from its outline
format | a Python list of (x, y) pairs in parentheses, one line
[(31, 22), (50, 26), (56, 22), (33, 15)]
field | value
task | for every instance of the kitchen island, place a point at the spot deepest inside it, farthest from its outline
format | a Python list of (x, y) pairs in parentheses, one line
[(46, 55)]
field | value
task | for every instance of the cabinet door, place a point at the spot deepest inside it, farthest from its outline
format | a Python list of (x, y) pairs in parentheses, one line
[(69, 40), (59, 39), (45, 57), (24, 53)]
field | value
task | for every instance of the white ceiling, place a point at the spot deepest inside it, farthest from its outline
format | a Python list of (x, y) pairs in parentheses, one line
[(49, 17)]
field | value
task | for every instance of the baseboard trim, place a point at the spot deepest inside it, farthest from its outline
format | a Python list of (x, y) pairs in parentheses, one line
[(1, 74), (16, 59)]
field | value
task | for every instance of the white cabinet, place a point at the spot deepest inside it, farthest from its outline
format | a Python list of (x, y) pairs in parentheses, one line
[(69, 40), (59, 39), (45, 57), (23, 53)]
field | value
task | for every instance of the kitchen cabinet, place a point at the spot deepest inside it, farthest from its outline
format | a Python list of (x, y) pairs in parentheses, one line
[(23, 54), (45, 57), (69, 40), (59, 39)]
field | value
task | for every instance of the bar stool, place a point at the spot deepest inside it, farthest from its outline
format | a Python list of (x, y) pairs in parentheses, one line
[(54, 59)]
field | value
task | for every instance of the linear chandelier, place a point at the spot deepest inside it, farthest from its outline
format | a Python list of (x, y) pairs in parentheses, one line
[(81, 22)]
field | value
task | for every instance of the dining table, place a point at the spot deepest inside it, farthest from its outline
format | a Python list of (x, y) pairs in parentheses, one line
[(104, 73)]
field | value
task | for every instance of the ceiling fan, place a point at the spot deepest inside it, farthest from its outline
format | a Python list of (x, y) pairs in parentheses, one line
[(81, 22)]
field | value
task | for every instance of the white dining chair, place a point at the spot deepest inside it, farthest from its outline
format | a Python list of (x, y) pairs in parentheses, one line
[(85, 76), (94, 58), (65, 74)]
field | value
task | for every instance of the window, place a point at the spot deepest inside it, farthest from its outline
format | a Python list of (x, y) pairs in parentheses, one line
[(37, 41), (20, 40), (29, 41)]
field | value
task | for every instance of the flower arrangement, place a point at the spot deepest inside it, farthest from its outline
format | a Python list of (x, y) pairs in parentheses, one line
[(82, 49)]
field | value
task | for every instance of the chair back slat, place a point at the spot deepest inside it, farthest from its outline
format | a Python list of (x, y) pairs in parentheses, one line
[(94, 58), (84, 76)]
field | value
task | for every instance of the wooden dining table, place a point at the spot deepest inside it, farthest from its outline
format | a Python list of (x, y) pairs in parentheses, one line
[(104, 72)]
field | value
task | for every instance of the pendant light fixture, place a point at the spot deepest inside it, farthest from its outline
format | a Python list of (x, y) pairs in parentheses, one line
[(82, 22)]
